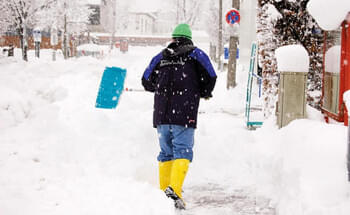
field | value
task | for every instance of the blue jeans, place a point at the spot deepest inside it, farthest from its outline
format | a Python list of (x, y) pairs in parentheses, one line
[(176, 142)]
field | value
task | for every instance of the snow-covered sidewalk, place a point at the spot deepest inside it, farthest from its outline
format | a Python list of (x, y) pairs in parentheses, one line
[(60, 155)]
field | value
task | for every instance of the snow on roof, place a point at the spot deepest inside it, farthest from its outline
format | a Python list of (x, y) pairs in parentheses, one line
[(145, 14), (329, 14), (292, 58)]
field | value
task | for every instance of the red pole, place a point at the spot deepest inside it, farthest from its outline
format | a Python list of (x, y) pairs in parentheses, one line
[(345, 68), (323, 71), (343, 77)]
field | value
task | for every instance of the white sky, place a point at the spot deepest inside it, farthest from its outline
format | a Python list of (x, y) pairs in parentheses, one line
[(138, 5), (146, 6)]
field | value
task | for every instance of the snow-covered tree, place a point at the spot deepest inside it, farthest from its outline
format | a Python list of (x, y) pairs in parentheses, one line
[(284, 23), (267, 43), (19, 15), (213, 29), (296, 26), (187, 11), (69, 17)]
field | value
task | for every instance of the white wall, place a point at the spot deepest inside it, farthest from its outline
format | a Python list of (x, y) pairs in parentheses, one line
[(140, 24)]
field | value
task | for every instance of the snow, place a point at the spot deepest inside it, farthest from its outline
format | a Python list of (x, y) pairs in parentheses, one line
[(98, 34), (310, 179), (332, 59), (95, 2), (60, 155), (273, 13), (292, 58), (200, 34), (329, 14), (150, 6), (346, 98), (89, 47)]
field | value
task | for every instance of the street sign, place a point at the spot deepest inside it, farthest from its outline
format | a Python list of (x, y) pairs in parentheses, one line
[(233, 16), (37, 35)]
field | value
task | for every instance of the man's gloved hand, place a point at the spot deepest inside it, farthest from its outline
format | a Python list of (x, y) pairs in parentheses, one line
[(207, 98)]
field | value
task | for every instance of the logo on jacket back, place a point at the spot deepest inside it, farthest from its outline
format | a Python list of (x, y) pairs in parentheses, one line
[(171, 62)]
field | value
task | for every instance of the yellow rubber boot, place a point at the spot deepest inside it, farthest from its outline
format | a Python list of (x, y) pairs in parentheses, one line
[(178, 174), (164, 174)]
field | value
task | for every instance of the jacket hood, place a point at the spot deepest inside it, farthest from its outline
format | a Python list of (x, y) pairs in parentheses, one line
[(178, 47)]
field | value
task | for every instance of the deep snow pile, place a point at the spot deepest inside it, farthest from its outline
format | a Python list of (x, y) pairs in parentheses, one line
[(305, 167), (60, 155)]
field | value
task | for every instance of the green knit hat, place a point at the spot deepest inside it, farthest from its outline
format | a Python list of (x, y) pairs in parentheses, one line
[(182, 30)]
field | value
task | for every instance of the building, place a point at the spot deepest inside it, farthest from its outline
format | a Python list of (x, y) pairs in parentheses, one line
[(140, 23)]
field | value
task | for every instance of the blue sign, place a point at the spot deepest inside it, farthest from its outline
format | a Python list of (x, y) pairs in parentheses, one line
[(227, 53)]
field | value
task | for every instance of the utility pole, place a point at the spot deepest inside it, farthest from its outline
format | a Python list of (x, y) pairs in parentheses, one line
[(220, 36), (65, 33), (113, 2), (25, 42), (234, 41)]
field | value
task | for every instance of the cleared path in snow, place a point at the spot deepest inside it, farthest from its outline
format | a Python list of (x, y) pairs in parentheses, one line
[(60, 155)]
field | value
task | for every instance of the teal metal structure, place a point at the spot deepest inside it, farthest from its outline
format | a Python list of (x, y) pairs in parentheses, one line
[(252, 124)]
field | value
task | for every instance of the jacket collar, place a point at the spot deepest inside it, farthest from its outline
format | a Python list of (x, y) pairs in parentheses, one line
[(178, 47)]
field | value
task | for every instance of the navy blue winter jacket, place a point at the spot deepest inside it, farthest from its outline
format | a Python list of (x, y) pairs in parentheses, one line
[(179, 76)]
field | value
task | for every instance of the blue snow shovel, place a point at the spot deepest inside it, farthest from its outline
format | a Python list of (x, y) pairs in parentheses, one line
[(111, 87)]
